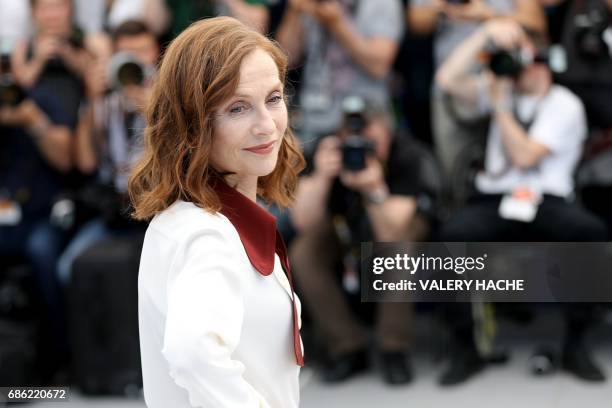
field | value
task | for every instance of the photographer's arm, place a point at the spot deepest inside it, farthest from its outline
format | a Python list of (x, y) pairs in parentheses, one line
[(26, 73), (391, 219), (529, 14), (454, 75), (313, 190), (52, 140), (390, 214), (290, 32), (85, 154), (524, 152), (309, 208), (423, 18)]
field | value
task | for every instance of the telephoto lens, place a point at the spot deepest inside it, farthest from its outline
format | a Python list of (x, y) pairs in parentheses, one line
[(124, 70)]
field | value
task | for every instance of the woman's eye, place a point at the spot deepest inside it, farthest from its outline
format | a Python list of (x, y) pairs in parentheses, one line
[(237, 109), (275, 99)]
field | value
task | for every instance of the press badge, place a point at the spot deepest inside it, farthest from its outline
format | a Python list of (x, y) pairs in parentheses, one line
[(10, 213), (521, 205)]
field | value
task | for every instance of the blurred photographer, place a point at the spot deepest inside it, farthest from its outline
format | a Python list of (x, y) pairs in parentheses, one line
[(349, 47), (35, 140), (451, 22), (587, 39), (109, 135), (55, 59), (361, 187), (534, 144)]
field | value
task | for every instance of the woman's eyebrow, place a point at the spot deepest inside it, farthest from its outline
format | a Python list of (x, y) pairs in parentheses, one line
[(276, 87)]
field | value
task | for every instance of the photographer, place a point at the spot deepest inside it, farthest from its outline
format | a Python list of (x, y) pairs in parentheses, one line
[(451, 22), (35, 138), (349, 47), (587, 39), (109, 135), (54, 60), (534, 143), (362, 187)]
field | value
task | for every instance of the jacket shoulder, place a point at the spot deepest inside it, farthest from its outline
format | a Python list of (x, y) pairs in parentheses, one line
[(184, 219)]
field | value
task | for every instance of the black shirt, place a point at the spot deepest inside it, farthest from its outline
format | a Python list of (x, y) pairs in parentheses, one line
[(25, 175)]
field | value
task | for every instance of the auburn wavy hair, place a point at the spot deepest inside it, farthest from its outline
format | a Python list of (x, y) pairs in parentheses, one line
[(199, 71)]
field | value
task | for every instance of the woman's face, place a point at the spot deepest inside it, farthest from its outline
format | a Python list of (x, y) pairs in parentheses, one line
[(249, 127)]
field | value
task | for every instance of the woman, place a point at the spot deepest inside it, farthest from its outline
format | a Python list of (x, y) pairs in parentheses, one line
[(216, 330)]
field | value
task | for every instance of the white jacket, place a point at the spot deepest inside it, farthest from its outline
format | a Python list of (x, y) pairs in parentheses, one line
[(214, 332)]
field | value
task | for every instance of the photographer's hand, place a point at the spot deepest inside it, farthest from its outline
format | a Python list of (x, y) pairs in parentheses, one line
[(75, 59), (24, 115), (46, 48), (329, 13), (26, 70), (505, 33), (95, 80), (327, 159), (367, 181)]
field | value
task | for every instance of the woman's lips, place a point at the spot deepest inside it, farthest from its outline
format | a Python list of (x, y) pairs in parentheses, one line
[(262, 148)]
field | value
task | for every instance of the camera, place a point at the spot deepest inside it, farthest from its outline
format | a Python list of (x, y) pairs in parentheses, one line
[(124, 69), (355, 147), (593, 38), (510, 63), (11, 94)]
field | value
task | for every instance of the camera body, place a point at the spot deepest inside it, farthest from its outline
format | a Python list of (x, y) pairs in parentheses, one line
[(355, 147), (354, 152), (11, 94), (124, 69), (510, 63)]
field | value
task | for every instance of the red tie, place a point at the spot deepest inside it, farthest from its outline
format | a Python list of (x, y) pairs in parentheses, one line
[(282, 251)]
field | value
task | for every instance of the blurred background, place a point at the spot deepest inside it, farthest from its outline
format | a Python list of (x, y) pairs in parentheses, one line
[(406, 139)]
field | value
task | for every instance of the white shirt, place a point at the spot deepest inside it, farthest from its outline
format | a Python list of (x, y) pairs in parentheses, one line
[(560, 125), (213, 331)]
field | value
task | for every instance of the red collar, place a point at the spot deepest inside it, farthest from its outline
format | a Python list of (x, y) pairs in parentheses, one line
[(257, 230), (256, 227)]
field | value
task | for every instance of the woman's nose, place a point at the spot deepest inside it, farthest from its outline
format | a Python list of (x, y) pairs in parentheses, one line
[(264, 123)]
